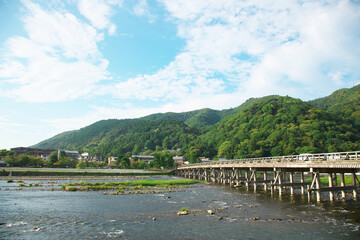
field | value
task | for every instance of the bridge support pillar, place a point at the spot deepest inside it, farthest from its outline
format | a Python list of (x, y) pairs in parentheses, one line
[(247, 179), (342, 184), (317, 181), (254, 177), (331, 193), (291, 178), (265, 179), (302, 181), (354, 178)]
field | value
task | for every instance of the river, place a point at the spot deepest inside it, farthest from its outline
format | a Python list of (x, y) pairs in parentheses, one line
[(45, 212)]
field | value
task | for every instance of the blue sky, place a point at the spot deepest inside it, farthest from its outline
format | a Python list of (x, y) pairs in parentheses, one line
[(67, 64)]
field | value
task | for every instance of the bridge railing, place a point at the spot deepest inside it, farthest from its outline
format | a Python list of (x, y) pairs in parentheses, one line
[(337, 156)]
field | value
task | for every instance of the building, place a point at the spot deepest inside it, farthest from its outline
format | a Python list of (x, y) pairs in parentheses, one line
[(179, 160), (144, 158), (112, 160), (43, 153), (172, 150), (71, 154), (84, 156), (223, 160), (3, 163)]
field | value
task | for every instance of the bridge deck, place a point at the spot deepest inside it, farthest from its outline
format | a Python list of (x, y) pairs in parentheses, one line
[(256, 171)]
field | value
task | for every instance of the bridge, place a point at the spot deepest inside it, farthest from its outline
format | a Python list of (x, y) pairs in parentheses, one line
[(285, 173)]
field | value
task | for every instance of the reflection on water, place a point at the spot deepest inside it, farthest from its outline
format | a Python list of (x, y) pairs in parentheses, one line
[(39, 213)]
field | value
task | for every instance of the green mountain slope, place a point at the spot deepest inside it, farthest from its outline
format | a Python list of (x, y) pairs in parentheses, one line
[(114, 137), (344, 101), (271, 125), (79, 138), (274, 126)]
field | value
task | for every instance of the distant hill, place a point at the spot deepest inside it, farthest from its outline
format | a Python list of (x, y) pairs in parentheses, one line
[(271, 125)]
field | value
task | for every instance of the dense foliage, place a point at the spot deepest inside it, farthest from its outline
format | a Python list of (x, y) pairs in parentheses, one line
[(267, 126), (280, 126), (344, 101)]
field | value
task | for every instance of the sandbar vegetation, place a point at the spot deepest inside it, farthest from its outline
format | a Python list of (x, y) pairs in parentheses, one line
[(128, 187)]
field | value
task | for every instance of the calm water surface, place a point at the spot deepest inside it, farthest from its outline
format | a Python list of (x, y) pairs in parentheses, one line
[(39, 213)]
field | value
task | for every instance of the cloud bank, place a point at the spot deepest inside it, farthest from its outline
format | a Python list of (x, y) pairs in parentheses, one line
[(233, 50), (255, 48)]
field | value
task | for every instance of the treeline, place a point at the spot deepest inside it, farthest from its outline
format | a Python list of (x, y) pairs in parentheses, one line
[(161, 160)]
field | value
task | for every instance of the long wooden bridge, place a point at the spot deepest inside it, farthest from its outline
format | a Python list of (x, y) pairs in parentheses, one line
[(285, 173)]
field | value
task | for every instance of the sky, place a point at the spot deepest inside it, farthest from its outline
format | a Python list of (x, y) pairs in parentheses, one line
[(65, 64)]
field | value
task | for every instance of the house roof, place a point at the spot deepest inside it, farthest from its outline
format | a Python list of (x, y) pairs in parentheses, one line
[(143, 156), (73, 152)]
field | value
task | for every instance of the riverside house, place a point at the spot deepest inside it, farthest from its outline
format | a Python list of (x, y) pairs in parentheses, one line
[(144, 158)]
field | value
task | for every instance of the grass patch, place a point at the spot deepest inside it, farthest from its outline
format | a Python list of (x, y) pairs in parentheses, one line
[(10, 181), (137, 185), (324, 180), (20, 172)]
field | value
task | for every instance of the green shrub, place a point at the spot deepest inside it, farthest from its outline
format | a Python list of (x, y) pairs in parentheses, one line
[(184, 209)]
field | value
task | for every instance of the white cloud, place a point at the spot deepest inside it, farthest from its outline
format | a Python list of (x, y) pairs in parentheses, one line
[(142, 9), (99, 12), (58, 61), (259, 47), (234, 50)]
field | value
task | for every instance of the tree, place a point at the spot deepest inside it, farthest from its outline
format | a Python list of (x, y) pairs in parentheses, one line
[(3, 152), (81, 164), (142, 165), (62, 155), (136, 149), (194, 154), (149, 145), (53, 158), (226, 150), (163, 160), (125, 162)]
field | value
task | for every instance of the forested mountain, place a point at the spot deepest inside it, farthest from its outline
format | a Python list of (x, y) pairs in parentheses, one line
[(267, 126), (124, 136), (275, 126), (343, 101)]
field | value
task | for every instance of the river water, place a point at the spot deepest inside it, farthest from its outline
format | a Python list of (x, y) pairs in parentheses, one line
[(44, 212)]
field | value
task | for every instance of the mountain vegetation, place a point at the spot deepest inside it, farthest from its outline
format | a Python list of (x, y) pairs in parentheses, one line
[(344, 102), (268, 126)]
